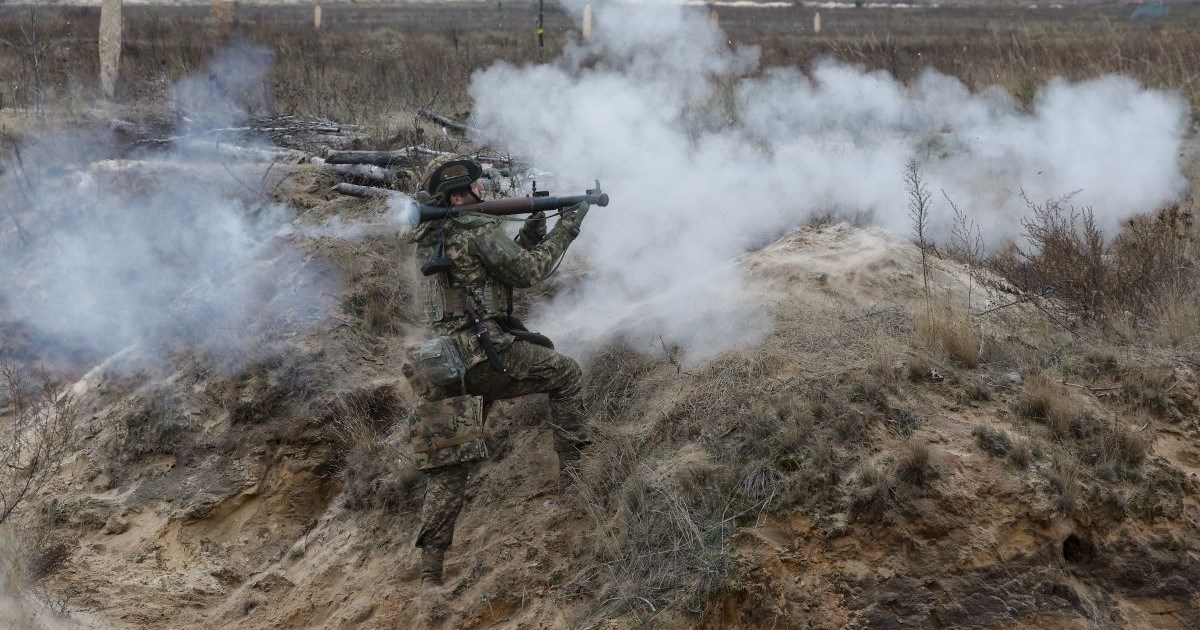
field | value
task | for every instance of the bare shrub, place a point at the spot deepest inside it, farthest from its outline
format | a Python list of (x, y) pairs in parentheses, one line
[(1147, 268), (946, 328), (41, 434), (45, 553), (992, 440), (918, 213), (914, 462), (967, 244)]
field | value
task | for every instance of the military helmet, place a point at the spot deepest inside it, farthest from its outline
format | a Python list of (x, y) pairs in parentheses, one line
[(449, 172)]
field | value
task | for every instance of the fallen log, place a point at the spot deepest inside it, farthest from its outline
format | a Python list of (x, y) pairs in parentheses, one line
[(367, 192), (331, 142), (361, 171), (386, 159), (448, 122)]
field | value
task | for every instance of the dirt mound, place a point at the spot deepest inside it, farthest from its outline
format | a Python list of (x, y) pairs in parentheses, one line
[(852, 470)]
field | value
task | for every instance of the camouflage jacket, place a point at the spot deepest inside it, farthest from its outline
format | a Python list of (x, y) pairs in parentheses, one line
[(486, 265)]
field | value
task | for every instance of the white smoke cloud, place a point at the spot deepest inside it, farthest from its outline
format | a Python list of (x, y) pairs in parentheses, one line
[(233, 87), (706, 155), (172, 250)]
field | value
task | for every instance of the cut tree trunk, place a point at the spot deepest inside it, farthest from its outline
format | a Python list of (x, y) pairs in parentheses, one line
[(408, 157), (447, 122), (360, 171), (354, 190)]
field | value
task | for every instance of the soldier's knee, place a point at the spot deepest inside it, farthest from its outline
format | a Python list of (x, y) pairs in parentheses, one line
[(574, 373), (570, 376)]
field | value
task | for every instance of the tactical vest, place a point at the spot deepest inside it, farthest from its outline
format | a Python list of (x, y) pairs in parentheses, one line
[(465, 284), (441, 300)]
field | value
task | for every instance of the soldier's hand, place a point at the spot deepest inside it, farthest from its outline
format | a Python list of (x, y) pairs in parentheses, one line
[(572, 217), (533, 231)]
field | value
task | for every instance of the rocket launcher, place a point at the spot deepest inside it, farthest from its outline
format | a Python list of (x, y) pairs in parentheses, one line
[(540, 201)]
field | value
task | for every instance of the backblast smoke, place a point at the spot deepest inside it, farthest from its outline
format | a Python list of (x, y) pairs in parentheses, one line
[(171, 250)]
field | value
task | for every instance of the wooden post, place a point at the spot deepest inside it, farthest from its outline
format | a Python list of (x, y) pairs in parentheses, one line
[(317, 17), (110, 45), (541, 26), (222, 11), (817, 23), (714, 19), (587, 21)]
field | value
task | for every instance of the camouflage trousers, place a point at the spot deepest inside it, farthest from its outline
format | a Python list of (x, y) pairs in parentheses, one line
[(529, 369)]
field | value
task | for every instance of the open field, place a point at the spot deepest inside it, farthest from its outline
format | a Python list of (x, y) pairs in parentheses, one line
[(369, 62)]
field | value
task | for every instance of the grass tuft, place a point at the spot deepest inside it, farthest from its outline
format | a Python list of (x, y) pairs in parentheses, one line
[(914, 463), (992, 440), (947, 329)]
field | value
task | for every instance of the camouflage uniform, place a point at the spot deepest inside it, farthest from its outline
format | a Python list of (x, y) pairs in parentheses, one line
[(485, 265)]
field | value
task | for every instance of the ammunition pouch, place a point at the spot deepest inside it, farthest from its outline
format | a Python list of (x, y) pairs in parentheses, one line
[(440, 301), (435, 366), (448, 431)]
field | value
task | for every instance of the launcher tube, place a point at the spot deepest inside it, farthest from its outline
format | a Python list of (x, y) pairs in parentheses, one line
[(508, 206)]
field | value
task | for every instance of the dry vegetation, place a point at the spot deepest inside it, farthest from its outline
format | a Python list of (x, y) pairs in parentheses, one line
[(38, 434), (818, 420), (366, 64)]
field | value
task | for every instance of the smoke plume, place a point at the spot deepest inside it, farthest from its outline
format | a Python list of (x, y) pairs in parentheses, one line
[(167, 250), (707, 155)]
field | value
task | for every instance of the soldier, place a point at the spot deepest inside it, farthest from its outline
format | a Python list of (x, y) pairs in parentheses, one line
[(479, 352)]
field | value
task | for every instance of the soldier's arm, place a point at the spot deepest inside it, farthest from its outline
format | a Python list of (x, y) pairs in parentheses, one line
[(519, 267)]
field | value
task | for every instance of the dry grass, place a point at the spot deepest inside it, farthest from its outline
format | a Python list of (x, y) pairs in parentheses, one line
[(1023, 452), (378, 290), (1044, 400), (1148, 386), (994, 441), (1064, 479), (369, 61), (874, 492), (377, 473), (947, 329), (681, 458), (914, 462), (1116, 450), (664, 536)]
